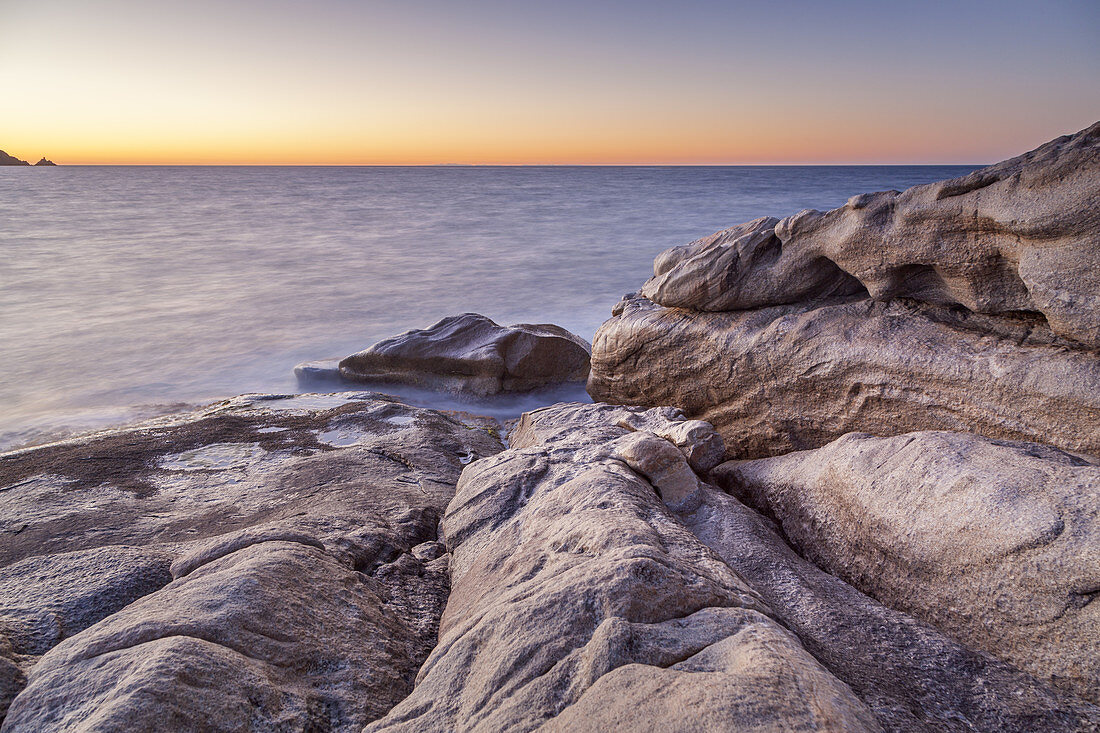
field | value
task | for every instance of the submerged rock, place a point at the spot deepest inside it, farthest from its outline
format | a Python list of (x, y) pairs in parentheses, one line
[(471, 353), (580, 601), (996, 543), (263, 563)]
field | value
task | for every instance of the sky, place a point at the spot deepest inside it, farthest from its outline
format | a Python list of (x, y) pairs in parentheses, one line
[(562, 82)]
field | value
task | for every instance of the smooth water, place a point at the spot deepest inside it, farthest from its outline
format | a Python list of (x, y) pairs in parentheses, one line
[(125, 290)]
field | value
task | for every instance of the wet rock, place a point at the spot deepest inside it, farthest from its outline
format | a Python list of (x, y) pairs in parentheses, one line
[(996, 543), (794, 377), (249, 565), (471, 353), (1021, 235)]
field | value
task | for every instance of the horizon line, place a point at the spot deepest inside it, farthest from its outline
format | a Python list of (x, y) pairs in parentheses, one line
[(502, 165)]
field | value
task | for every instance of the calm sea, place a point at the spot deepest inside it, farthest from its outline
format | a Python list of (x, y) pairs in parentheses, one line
[(127, 290)]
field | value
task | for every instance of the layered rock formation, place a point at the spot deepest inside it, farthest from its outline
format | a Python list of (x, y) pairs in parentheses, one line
[(580, 601), (962, 305), (1021, 235), (996, 543), (267, 563), (471, 353)]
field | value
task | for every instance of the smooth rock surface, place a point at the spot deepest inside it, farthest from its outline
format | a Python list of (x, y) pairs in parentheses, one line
[(996, 543), (263, 563), (785, 378), (471, 353), (1021, 235), (580, 602)]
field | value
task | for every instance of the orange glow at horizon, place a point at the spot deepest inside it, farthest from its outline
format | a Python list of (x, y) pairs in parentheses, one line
[(376, 83)]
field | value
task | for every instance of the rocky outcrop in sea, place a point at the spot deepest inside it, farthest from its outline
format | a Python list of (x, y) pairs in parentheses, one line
[(843, 474)]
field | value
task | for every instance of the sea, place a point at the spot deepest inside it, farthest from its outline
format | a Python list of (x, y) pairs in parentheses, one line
[(132, 291)]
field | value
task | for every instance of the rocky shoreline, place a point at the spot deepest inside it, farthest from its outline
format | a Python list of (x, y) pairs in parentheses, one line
[(843, 473)]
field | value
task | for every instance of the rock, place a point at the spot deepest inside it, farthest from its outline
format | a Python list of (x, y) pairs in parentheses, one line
[(45, 162), (1021, 235), (580, 602), (6, 159), (46, 598), (470, 353), (263, 563), (322, 371), (794, 377), (659, 461), (996, 543)]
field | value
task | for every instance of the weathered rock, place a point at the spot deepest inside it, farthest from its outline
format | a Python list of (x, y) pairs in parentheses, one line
[(43, 161), (996, 543), (299, 531), (794, 377), (471, 353), (1021, 235), (580, 603)]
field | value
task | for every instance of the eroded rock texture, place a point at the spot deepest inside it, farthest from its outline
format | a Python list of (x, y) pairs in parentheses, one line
[(471, 353), (970, 305), (1021, 235), (996, 543), (263, 564), (793, 377), (581, 601)]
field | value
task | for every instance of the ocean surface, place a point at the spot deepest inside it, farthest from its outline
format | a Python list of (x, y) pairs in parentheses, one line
[(131, 291)]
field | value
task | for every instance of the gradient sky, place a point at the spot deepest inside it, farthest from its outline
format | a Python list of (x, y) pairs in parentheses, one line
[(569, 81)]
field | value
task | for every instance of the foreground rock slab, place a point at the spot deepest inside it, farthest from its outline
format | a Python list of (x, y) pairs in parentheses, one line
[(794, 377), (471, 353), (265, 563), (582, 601), (996, 543)]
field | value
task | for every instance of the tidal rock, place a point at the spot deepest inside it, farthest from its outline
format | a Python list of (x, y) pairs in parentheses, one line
[(320, 371), (581, 602), (252, 565), (793, 377), (1021, 235), (471, 353), (997, 543)]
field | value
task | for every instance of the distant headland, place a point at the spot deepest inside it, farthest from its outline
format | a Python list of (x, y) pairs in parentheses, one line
[(6, 159)]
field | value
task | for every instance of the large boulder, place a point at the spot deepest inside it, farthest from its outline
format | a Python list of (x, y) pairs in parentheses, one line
[(264, 563), (995, 542), (582, 601), (1021, 235), (471, 353), (785, 378), (971, 304)]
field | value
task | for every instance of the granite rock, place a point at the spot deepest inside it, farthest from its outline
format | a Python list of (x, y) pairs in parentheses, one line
[(997, 543), (268, 562), (794, 377), (471, 353), (1021, 235), (580, 601)]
